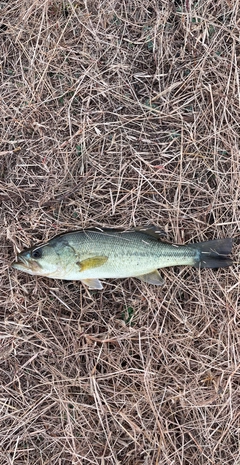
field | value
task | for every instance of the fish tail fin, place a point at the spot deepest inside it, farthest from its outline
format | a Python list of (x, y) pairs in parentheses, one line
[(213, 254)]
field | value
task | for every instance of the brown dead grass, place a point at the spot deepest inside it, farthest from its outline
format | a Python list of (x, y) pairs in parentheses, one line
[(119, 113)]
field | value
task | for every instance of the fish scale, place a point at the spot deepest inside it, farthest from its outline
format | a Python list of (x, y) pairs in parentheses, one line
[(91, 255)]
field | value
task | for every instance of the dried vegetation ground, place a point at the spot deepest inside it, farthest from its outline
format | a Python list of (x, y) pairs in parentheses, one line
[(119, 113)]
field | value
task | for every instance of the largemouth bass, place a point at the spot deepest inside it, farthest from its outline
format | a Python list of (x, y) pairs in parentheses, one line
[(93, 254)]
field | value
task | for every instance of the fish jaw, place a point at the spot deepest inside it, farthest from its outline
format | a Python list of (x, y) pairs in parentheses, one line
[(27, 265)]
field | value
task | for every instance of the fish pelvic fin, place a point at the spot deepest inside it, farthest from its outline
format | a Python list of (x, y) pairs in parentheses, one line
[(92, 262), (92, 283), (213, 254), (152, 278)]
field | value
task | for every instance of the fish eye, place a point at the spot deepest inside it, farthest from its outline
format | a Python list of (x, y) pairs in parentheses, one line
[(37, 253)]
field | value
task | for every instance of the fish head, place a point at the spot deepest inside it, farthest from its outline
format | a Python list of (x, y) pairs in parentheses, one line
[(41, 260)]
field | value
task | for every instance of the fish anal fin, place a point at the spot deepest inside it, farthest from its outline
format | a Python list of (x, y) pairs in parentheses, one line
[(92, 283), (92, 262), (152, 278)]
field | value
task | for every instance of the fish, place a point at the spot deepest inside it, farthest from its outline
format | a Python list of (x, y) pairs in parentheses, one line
[(90, 255)]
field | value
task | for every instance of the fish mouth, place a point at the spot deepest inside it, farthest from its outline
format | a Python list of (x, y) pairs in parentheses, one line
[(22, 260), (24, 264), (21, 264)]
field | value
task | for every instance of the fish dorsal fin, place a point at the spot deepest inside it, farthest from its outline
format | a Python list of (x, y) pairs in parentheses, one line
[(151, 230), (104, 230), (92, 262)]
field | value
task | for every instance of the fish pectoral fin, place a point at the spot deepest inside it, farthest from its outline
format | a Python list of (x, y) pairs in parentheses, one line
[(92, 262), (152, 278), (92, 283)]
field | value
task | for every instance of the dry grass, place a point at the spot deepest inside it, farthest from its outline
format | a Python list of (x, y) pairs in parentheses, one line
[(120, 113)]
